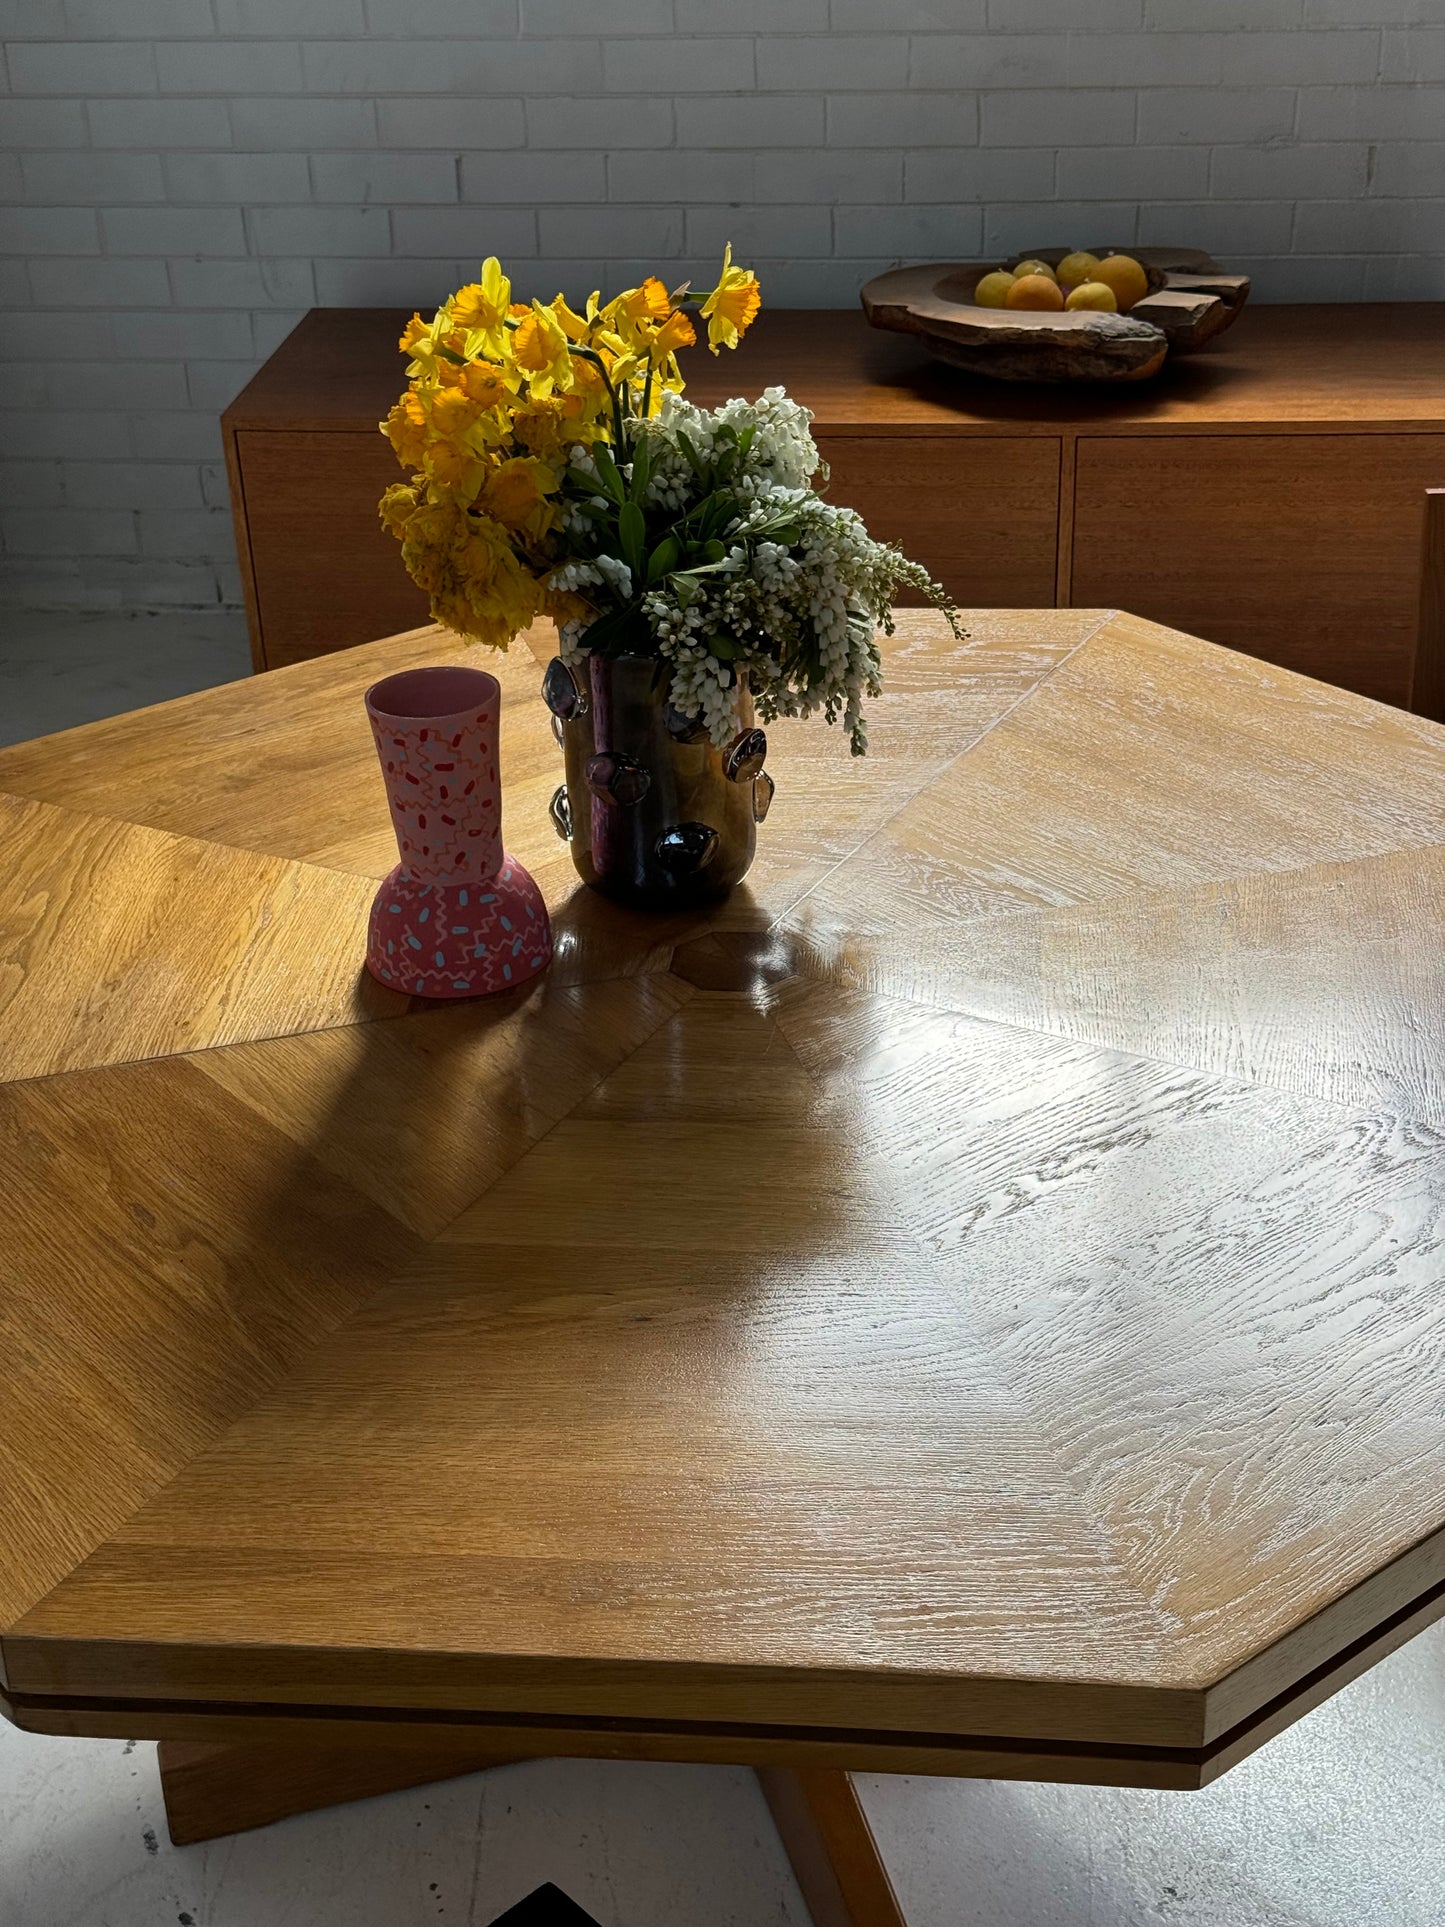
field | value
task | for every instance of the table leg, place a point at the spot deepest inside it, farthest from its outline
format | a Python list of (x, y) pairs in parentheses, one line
[(831, 1845), (212, 1789)]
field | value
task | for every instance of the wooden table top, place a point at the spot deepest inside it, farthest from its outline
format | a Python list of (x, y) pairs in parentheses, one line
[(1346, 367), (975, 1303)]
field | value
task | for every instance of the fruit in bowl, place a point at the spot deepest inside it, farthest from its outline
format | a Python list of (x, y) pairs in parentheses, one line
[(1095, 295), (1036, 291), (1107, 284)]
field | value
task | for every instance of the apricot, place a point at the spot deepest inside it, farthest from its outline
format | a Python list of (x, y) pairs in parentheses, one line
[(1123, 274), (992, 290), (1035, 291), (1075, 269), (1092, 294)]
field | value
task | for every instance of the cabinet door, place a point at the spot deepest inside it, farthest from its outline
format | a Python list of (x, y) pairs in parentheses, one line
[(980, 512), (1301, 549), (327, 574)]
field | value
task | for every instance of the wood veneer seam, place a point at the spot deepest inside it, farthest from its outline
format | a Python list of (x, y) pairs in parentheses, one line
[(1106, 616)]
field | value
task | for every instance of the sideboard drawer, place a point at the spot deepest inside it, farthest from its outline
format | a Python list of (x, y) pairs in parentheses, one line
[(981, 513), (1302, 549), (326, 572)]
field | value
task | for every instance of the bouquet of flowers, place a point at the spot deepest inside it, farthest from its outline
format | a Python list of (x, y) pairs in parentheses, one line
[(555, 469)]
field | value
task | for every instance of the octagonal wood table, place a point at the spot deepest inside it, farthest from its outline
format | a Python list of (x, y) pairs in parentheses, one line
[(971, 1305)]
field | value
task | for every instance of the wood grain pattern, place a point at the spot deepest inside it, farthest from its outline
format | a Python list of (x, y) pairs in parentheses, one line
[(122, 942), (980, 513), (832, 1849), (166, 1258), (293, 531), (213, 1790), (1317, 574), (1427, 691), (971, 1304)]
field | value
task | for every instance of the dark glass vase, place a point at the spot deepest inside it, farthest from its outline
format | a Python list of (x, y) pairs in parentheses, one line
[(656, 815)]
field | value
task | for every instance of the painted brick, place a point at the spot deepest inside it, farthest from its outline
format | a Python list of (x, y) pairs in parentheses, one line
[(454, 125), (511, 175), (1369, 113), (318, 19), (1242, 228), (1216, 114), (908, 233), (54, 179), (677, 66), (388, 284), (213, 385), (131, 485), (979, 174), (1314, 169), (611, 231), (869, 176), (176, 437), (42, 123), (177, 334), (382, 179), (82, 67), (304, 125), (48, 230), (229, 67), (908, 16), (989, 60), (137, 19), (763, 233), (1008, 228), (837, 64), (242, 284), (1415, 54), (32, 485), (100, 283), (58, 432), (694, 177), (1134, 173), (610, 123), (902, 120), (420, 19), (158, 125), (456, 67), (464, 231), (777, 120), (560, 17), (178, 533), (1408, 167), (173, 230), (1037, 16), (76, 532), (1057, 119), (219, 178), (313, 231)]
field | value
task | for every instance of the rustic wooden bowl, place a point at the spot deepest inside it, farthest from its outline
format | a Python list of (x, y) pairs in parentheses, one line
[(1190, 300)]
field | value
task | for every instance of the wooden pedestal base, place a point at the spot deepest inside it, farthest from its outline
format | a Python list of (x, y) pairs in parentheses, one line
[(212, 1790)]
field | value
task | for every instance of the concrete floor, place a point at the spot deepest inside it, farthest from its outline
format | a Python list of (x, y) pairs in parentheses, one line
[(1336, 1824)]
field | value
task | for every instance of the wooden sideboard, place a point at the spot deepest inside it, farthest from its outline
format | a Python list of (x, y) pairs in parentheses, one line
[(1267, 494)]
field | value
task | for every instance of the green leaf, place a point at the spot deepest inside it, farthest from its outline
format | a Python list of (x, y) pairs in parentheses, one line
[(632, 530), (607, 469), (664, 558), (714, 551), (641, 468), (690, 452), (724, 648)]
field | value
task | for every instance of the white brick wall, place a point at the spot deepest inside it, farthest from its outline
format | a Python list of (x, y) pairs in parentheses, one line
[(182, 178)]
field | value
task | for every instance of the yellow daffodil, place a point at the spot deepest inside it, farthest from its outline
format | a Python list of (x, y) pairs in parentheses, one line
[(481, 308), (650, 302), (676, 332), (484, 382), (453, 412), (540, 348), (574, 326), (515, 492), (405, 429), (731, 306)]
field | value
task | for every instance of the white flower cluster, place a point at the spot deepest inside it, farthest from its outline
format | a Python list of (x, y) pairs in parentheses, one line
[(771, 587)]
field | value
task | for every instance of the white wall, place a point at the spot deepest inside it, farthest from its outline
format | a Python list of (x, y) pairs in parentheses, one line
[(184, 177)]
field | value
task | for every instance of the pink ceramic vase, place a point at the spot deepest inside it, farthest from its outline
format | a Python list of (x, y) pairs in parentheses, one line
[(457, 916)]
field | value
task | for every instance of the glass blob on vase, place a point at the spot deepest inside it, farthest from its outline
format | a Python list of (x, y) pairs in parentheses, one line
[(656, 814), (457, 917)]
